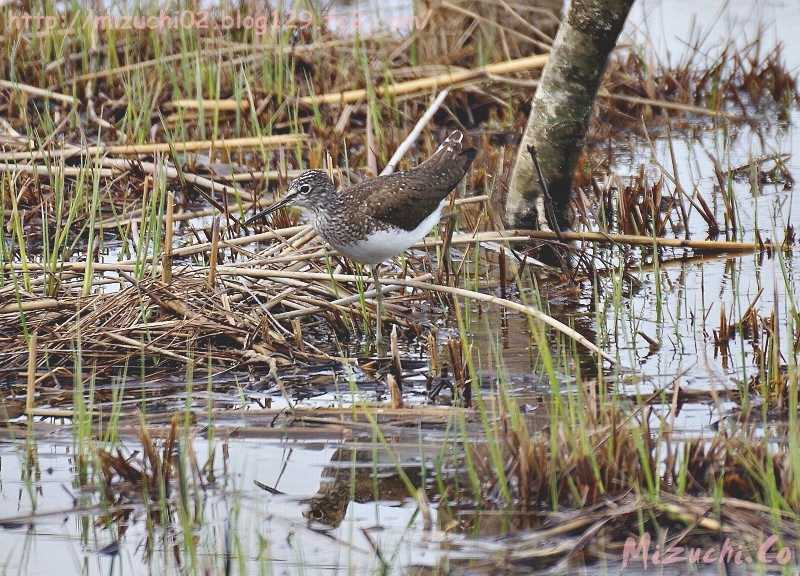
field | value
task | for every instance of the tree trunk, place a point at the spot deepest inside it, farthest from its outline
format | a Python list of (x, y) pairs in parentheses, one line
[(561, 110)]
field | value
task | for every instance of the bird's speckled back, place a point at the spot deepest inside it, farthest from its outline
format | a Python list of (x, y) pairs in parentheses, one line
[(404, 199)]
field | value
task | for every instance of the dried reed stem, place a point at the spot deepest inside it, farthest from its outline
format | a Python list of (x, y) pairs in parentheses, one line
[(146, 346), (260, 175), (41, 92), (166, 262), (162, 147), (386, 287), (212, 260), (53, 171), (634, 240), (668, 105), (372, 161), (114, 166), (31, 383), (439, 81), (172, 173), (31, 306), (394, 392), (431, 83)]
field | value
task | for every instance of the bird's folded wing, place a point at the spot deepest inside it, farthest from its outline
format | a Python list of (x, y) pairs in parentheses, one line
[(398, 199)]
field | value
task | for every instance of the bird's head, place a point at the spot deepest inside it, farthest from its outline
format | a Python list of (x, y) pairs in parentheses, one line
[(312, 189)]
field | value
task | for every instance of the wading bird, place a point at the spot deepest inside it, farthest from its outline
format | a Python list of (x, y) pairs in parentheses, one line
[(379, 218)]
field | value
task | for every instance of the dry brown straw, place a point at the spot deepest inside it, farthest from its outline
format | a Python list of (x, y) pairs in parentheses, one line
[(479, 296)]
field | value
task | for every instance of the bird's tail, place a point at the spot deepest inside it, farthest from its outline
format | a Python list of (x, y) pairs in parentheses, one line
[(452, 155)]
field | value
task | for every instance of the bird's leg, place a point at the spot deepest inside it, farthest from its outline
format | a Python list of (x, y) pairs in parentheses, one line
[(379, 309)]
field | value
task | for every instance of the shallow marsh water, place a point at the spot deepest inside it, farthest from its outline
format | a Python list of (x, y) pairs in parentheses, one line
[(677, 305)]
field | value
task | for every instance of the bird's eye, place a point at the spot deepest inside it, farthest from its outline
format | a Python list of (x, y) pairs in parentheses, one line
[(304, 189)]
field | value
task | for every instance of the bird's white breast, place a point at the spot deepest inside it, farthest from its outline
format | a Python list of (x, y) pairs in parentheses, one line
[(385, 244)]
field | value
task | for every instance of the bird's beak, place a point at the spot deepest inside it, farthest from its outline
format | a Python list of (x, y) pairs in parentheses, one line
[(267, 211)]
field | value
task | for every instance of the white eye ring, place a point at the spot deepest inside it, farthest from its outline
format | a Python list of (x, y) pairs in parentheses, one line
[(304, 189)]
